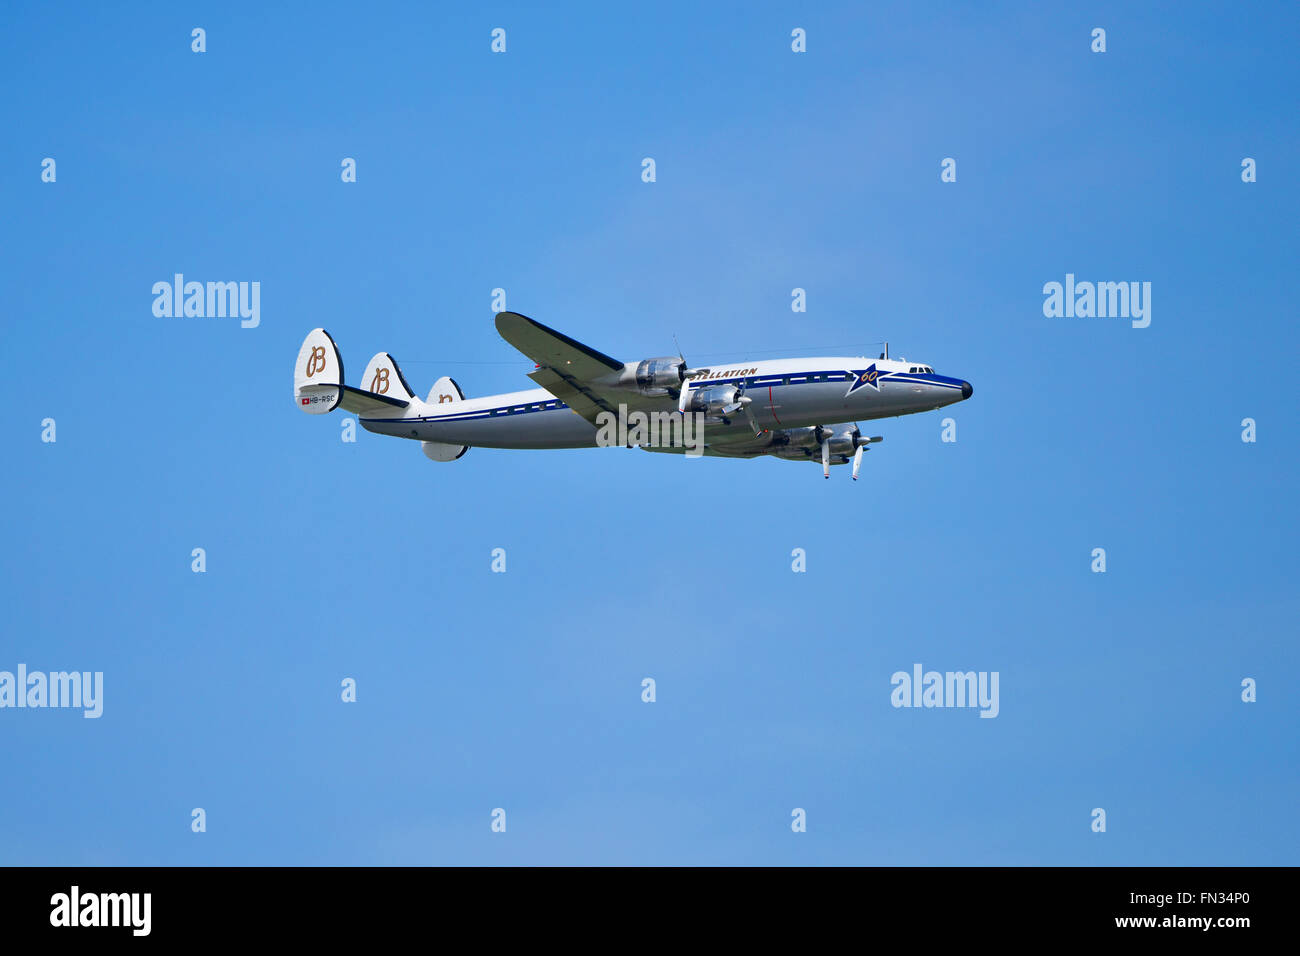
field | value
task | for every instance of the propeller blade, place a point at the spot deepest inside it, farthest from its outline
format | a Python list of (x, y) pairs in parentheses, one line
[(857, 461), (826, 458), (683, 396), (749, 415), (736, 404)]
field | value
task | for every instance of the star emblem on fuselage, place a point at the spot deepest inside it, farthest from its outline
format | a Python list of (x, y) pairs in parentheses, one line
[(864, 378)]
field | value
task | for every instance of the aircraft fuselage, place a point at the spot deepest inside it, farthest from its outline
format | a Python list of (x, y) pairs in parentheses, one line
[(789, 393)]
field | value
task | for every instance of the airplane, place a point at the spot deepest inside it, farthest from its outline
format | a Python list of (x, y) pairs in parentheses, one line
[(801, 409)]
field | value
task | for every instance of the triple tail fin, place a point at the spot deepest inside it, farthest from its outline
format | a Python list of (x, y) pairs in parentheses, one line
[(318, 388), (318, 385), (383, 377), (445, 390), (318, 374)]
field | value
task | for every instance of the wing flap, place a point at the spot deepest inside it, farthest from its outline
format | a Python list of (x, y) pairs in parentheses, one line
[(573, 393)]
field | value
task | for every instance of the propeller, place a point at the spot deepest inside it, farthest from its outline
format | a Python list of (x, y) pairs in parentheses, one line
[(863, 444), (738, 399), (740, 402), (744, 403), (823, 436), (683, 393)]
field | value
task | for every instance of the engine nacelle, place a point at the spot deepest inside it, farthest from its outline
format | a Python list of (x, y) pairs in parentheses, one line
[(797, 438), (656, 376), (844, 440), (800, 443), (714, 401)]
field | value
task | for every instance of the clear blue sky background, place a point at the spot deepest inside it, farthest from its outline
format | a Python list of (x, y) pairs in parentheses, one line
[(522, 690)]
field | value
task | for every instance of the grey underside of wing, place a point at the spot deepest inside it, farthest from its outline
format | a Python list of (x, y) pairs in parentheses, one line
[(716, 451), (578, 395), (590, 400)]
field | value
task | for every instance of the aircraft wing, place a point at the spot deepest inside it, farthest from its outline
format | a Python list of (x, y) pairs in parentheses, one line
[(739, 448), (566, 368)]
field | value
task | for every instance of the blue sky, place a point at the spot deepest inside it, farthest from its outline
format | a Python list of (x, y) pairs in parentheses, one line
[(522, 690)]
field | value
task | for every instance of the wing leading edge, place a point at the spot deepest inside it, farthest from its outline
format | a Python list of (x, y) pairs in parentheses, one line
[(566, 367)]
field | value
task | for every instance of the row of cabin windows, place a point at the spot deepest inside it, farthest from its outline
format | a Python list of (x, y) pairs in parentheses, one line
[(535, 407), (827, 377)]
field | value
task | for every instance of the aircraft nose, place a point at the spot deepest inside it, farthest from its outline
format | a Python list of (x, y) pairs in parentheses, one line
[(966, 390)]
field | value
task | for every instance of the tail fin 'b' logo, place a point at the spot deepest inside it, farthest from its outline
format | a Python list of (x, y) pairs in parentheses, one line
[(316, 361), (379, 384)]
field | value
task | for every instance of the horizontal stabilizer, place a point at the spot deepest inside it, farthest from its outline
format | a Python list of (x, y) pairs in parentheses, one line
[(368, 404)]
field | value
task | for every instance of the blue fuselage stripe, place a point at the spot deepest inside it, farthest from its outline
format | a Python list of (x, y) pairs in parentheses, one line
[(757, 381)]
